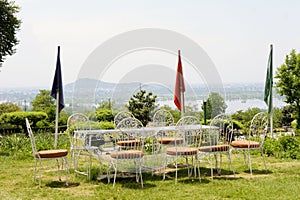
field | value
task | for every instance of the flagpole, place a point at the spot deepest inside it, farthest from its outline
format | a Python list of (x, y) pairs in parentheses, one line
[(182, 103), (271, 98), (56, 119), (271, 122)]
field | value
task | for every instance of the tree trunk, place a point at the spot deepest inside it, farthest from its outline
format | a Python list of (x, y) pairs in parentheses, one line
[(298, 115)]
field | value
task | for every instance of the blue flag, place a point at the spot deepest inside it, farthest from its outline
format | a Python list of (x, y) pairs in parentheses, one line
[(57, 86), (269, 82)]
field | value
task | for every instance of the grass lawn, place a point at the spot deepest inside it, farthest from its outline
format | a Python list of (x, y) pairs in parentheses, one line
[(281, 181)]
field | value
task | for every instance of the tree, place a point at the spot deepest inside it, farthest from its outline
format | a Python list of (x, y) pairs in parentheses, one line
[(215, 105), (9, 107), (245, 117), (9, 26), (140, 105), (103, 114), (288, 84), (45, 103)]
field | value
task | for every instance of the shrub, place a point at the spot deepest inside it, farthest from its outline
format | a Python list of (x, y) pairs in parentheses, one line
[(106, 125), (284, 147)]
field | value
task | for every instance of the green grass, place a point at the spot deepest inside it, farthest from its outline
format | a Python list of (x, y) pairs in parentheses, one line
[(280, 181)]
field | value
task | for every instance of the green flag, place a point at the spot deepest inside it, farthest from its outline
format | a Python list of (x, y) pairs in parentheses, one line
[(269, 82)]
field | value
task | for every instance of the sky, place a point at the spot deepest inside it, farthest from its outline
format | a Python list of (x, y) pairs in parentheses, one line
[(236, 36)]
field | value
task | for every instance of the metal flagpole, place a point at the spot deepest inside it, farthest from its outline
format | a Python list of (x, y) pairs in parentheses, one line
[(56, 119), (271, 91), (182, 103)]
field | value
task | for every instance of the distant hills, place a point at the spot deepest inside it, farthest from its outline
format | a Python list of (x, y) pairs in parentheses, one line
[(85, 91)]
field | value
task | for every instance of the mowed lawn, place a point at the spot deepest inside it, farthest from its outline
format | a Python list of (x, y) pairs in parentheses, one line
[(280, 181)]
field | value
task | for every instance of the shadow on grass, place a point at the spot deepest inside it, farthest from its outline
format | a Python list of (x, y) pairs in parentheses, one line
[(259, 172), (61, 184)]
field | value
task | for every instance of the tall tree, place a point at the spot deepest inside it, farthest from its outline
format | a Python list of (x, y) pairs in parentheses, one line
[(215, 105), (45, 103), (288, 84), (9, 26), (141, 104)]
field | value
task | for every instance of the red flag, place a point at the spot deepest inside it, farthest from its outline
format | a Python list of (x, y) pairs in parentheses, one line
[(179, 86)]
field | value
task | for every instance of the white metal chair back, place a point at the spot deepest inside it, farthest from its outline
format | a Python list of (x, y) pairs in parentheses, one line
[(32, 140), (224, 131), (259, 127), (163, 117), (120, 116), (191, 136), (78, 122)]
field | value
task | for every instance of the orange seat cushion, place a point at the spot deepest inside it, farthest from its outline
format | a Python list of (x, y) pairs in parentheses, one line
[(129, 154), (52, 153), (170, 140), (181, 151), (128, 143), (245, 144), (214, 148)]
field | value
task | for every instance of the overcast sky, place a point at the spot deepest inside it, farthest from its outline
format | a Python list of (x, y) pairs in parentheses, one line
[(236, 35)]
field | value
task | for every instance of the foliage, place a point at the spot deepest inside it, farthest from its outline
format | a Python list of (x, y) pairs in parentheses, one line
[(8, 107), (192, 111), (106, 125), (106, 105), (9, 26), (245, 117), (291, 147), (18, 145), (277, 117), (45, 103), (141, 104), (16, 120), (280, 181), (286, 119), (215, 105), (103, 114), (288, 84), (284, 147), (174, 112)]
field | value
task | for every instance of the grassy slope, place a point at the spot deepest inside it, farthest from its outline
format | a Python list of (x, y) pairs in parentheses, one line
[(282, 181)]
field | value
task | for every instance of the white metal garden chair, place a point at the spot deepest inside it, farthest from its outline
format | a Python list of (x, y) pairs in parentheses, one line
[(255, 139), (184, 145), (128, 154), (55, 154), (215, 141), (80, 145)]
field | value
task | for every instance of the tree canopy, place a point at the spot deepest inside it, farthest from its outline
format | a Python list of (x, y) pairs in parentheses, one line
[(141, 104), (215, 105), (45, 103), (9, 26), (288, 83)]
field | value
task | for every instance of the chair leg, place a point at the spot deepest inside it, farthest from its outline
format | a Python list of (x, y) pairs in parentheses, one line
[(40, 176), (115, 175), (58, 170), (67, 168), (263, 157), (140, 172), (165, 166), (35, 169), (250, 164), (230, 164), (176, 163)]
